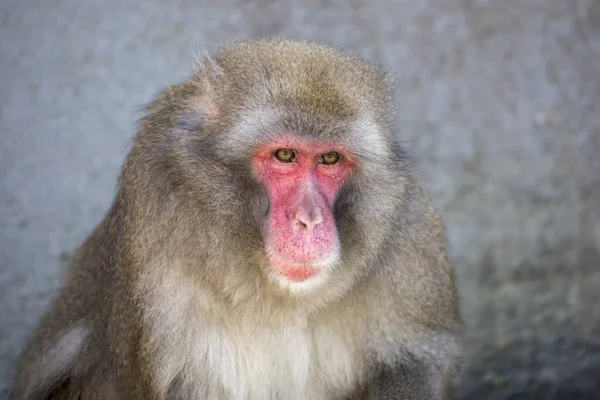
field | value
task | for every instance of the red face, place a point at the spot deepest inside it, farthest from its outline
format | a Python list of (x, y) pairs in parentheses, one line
[(302, 179)]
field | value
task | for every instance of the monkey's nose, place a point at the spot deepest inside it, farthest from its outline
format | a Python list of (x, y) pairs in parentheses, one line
[(308, 219)]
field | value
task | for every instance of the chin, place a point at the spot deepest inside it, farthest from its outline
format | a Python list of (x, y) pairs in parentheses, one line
[(301, 278), (295, 286)]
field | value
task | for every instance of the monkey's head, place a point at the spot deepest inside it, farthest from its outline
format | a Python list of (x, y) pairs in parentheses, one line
[(284, 154)]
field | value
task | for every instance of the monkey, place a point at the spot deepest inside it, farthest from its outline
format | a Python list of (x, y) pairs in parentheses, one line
[(267, 240)]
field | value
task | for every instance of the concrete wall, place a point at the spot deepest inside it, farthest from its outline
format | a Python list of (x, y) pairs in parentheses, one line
[(500, 99)]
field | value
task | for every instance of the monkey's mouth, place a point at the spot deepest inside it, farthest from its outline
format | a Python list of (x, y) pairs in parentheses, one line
[(300, 271), (297, 274)]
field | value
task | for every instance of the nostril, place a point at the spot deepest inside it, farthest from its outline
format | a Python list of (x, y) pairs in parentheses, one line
[(308, 220)]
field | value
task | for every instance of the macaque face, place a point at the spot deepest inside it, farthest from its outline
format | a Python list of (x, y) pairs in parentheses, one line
[(302, 179)]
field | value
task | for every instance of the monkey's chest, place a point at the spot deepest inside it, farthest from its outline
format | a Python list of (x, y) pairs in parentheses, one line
[(287, 363)]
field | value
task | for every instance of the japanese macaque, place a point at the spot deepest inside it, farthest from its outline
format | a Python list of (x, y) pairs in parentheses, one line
[(267, 241)]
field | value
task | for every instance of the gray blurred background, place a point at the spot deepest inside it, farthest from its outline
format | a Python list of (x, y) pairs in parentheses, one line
[(500, 101)]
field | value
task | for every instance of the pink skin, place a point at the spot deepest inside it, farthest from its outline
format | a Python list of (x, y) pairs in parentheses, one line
[(301, 230)]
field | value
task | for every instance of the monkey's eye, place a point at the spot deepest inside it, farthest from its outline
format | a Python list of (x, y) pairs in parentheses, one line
[(285, 155), (330, 158)]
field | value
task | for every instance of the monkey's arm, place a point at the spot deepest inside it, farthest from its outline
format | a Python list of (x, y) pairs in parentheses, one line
[(425, 362), (414, 381)]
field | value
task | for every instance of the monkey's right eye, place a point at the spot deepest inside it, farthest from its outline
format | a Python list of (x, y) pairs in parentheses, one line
[(285, 155)]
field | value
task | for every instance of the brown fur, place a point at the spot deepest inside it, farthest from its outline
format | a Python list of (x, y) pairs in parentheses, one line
[(169, 297)]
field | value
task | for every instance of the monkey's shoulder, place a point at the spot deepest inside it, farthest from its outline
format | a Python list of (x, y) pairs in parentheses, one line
[(410, 298)]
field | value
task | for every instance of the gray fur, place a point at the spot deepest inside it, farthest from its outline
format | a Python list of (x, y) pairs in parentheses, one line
[(172, 286)]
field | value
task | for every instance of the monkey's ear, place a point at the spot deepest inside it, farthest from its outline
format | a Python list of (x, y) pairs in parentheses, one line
[(204, 105)]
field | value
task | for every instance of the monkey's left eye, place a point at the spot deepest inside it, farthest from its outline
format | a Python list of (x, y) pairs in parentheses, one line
[(330, 158), (285, 155)]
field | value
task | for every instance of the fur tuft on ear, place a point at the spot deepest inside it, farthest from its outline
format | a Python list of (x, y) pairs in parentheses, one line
[(207, 67)]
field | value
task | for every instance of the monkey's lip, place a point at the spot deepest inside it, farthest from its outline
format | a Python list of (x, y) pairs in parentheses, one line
[(295, 271), (298, 274), (304, 269)]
